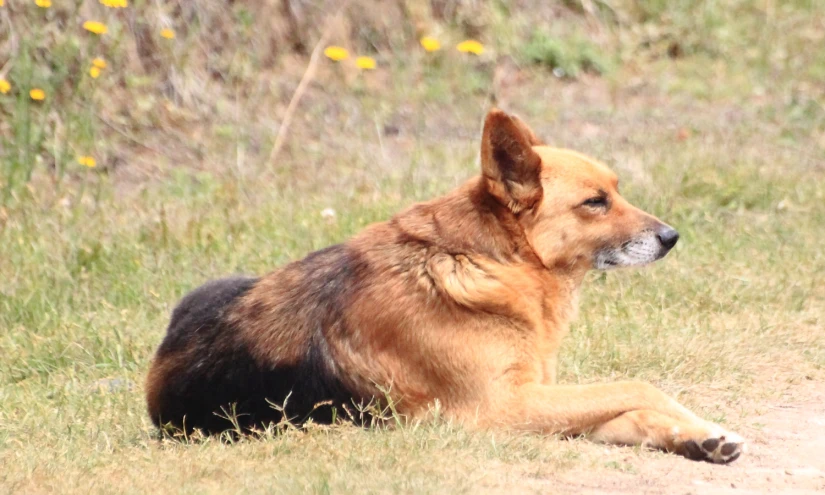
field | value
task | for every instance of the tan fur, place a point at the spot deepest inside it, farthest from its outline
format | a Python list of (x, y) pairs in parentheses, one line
[(465, 300)]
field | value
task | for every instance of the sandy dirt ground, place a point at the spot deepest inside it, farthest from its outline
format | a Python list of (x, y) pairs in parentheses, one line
[(785, 454)]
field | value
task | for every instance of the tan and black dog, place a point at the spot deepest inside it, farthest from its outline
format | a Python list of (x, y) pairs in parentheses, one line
[(463, 300)]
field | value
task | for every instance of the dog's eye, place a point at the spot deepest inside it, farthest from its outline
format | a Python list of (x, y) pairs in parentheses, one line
[(596, 202)]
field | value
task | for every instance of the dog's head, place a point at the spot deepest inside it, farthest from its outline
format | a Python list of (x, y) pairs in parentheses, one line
[(568, 204)]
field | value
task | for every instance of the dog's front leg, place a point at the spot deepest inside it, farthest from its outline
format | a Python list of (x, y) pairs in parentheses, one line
[(626, 413), (700, 441)]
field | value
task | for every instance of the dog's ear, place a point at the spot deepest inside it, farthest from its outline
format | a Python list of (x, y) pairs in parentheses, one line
[(525, 129), (511, 169)]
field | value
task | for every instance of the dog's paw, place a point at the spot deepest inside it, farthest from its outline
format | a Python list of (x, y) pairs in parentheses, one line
[(720, 447)]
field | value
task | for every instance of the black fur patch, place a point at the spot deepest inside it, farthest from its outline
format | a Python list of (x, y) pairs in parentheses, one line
[(216, 370)]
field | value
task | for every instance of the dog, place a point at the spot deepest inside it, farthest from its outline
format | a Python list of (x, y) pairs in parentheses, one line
[(462, 300)]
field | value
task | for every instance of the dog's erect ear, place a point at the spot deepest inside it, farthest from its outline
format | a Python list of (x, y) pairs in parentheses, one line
[(511, 168), (525, 129)]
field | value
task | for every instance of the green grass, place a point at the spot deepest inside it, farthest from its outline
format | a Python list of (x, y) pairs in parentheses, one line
[(565, 58), (93, 263)]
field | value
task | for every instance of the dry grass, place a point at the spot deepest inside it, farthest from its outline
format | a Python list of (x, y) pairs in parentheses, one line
[(726, 143)]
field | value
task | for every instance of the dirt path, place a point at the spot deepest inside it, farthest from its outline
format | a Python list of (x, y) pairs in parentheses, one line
[(786, 454)]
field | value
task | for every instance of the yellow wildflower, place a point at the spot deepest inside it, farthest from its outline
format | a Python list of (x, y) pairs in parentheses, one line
[(167, 33), (87, 161), (116, 4), (43, 4), (95, 27), (470, 46), (1, 3), (37, 94), (430, 44), (99, 63), (94, 72), (5, 87), (366, 63), (336, 53)]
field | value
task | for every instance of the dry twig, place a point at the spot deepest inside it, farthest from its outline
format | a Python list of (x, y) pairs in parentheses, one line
[(309, 74)]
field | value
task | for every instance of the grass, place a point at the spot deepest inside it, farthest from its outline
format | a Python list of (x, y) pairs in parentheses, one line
[(726, 148)]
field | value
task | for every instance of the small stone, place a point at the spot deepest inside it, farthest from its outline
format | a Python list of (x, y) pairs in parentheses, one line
[(110, 385), (807, 471)]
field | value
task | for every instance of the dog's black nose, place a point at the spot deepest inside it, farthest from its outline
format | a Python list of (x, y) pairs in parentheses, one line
[(667, 237)]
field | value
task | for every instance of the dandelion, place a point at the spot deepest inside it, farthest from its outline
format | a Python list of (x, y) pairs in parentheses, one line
[(167, 33), (5, 87), (99, 63), (1, 3), (366, 63), (94, 71), (37, 94), (115, 4), (470, 46), (87, 161), (336, 53), (43, 4), (430, 44), (95, 27)]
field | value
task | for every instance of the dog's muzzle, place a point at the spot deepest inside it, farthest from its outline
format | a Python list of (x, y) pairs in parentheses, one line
[(646, 247)]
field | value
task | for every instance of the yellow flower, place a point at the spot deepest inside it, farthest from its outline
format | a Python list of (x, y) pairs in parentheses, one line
[(167, 33), (1, 3), (88, 161), (95, 27), (336, 53), (116, 4), (44, 4), (430, 44), (470, 46), (366, 63), (5, 87), (99, 63), (37, 94), (94, 72)]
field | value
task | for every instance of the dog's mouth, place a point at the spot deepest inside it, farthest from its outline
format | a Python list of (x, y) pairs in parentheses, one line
[(645, 248)]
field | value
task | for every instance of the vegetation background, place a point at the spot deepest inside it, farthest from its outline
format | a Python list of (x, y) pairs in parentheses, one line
[(122, 188)]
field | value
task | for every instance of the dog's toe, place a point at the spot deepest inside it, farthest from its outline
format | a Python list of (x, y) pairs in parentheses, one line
[(718, 449)]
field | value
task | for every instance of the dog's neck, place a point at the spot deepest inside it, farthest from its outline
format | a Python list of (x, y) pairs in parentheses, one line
[(468, 221), (485, 258)]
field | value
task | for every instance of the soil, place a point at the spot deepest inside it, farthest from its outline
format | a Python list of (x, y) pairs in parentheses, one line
[(786, 454)]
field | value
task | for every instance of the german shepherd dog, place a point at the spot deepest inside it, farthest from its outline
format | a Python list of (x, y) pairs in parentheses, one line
[(462, 300)]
